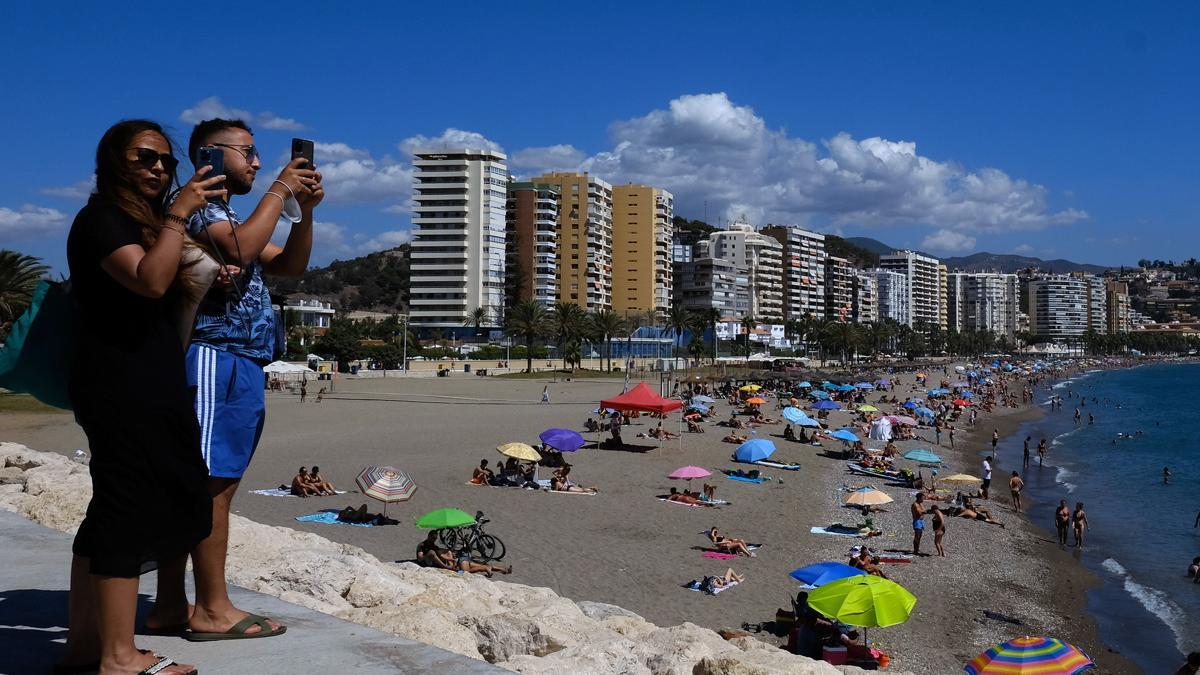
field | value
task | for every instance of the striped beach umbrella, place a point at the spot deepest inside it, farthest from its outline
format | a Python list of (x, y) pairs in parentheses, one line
[(386, 483), (1031, 656)]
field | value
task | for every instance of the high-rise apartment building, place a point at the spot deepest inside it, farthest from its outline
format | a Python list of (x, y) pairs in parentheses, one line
[(642, 233), (984, 302), (943, 309), (457, 258), (892, 295), (924, 285), (1097, 302), (761, 257), (702, 281), (1057, 307), (1117, 300), (866, 297), (956, 301), (803, 271), (585, 239), (532, 242), (839, 289)]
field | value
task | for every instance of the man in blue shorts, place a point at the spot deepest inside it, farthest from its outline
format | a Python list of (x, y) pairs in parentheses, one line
[(233, 338)]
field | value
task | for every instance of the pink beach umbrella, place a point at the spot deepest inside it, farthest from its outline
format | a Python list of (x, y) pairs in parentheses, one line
[(689, 472), (902, 419)]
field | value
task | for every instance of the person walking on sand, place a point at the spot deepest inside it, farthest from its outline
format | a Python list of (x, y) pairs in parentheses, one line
[(995, 440), (320, 394), (1015, 485), (303, 391), (918, 524), (951, 436), (1025, 458), (937, 431), (987, 478), (939, 530), (1079, 518), (1062, 518), (546, 394)]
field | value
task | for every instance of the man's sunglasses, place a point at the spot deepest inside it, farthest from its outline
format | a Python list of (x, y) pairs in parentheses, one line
[(147, 158), (250, 152)]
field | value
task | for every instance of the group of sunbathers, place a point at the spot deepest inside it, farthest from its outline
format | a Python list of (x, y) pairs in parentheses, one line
[(705, 498), (512, 474), (429, 554), (862, 558), (310, 483)]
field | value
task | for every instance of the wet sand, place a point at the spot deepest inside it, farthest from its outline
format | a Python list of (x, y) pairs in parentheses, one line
[(625, 547)]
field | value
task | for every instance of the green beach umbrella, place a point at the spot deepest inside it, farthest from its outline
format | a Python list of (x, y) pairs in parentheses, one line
[(444, 518), (865, 601)]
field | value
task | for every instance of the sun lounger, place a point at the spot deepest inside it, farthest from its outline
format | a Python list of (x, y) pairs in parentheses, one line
[(854, 468), (329, 517), (744, 479), (670, 501), (695, 586), (789, 466), (281, 492), (836, 531)]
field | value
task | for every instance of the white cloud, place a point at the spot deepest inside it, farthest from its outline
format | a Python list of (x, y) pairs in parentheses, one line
[(81, 190), (386, 240), (30, 221), (364, 179), (399, 209), (212, 107), (548, 158), (1023, 249), (450, 138), (705, 147), (948, 241), (333, 241)]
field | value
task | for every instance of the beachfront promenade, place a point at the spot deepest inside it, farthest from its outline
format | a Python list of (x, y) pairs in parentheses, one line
[(33, 614)]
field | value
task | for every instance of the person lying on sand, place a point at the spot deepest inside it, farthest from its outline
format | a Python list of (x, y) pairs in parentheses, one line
[(734, 438), (319, 483), (728, 544), (300, 485), (758, 418), (685, 498), (695, 427), (662, 434), (429, 554), (866, 563), (711, 584), (590, 425), (972, 512), (561, 482)]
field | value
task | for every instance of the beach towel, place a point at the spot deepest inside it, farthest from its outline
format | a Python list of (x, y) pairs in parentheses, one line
[(329, 517), (854, 468), (697, 506), (282, 492), (778, 465), (760, 479), (835, 531), (694, 585), (719, 556)]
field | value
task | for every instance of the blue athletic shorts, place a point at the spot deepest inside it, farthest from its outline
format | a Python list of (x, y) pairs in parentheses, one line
[(230, 406)]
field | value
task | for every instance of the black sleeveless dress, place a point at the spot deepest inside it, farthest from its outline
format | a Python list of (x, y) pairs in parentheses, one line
[(128, 386)]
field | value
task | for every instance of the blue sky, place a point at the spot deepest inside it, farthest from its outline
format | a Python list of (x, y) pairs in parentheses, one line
[(1054, 130)]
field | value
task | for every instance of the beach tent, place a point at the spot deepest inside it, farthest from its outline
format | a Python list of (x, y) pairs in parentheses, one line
[(881, 430), (642, 399)]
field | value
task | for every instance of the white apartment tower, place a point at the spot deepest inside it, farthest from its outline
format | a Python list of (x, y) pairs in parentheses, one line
[(924, 285), (984, 301), (762, 259), (866, 297), (892, 295), (803, 271), (1058, 307), (458, 249), (839, 289)]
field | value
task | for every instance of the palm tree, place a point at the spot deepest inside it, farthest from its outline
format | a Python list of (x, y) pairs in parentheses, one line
[(748, 324), (477, 317), (678, 319), (842, 336), (709, 317), (570, 323), (607, 325), (529, 321), (19, 277)]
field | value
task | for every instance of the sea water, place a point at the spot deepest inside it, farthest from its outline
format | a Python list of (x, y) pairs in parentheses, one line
[(1142, 536)]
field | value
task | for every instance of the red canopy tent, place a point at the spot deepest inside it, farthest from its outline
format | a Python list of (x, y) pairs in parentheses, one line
[(642, 399)]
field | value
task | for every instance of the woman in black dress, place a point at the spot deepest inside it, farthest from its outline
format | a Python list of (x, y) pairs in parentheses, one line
[(129, 390)]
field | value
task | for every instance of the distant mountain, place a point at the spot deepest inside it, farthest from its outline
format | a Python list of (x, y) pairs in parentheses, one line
[(987, 262)]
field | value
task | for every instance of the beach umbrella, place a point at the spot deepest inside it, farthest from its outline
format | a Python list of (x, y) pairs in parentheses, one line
[(937, 392), (386, 483), (698, 408), (867, 496), (818, 394), (819, 574), (606, 411), (867, 601), (883, 382), (864, 385), (903, 419), (444, 518), (521, 451), (922, 455), (754, 450), (805, 384), (689, 472), (867, 408), (925, 412), (909, 404), (1029, 655), (961, 479), (756, 400), (961, 402), (749, 387), (563, 440), (960, 385), (967, 394), (807, 422), (826, 405), (831, 386), (706, 400), (794, 415), (959, 369), (845, 435), (846, 387)]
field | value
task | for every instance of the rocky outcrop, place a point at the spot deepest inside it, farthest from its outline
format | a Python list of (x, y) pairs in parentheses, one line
[(521, 628)]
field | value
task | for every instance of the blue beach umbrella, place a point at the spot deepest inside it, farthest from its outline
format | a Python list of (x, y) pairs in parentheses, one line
[(937, 392), (805, 384), (831, 386), (703, 409), (925, 412), (563, 440), (823, 573), (754, 450), (794, 415), (845, 435), (967, 394), (865, 385), (923, 455), (910, 405), (706, 400), (826, 405), (883, 382), (808, 422), (846, 387), (817, 393)]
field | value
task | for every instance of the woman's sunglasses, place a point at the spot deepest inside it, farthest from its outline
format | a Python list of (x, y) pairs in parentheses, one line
[(147, 158)]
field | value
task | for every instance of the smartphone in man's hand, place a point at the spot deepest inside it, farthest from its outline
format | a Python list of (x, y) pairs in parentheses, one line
[(210, 155), (303, 149)]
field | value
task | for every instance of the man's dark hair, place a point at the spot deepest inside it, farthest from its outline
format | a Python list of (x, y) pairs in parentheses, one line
[(205, 130), (316, 469)]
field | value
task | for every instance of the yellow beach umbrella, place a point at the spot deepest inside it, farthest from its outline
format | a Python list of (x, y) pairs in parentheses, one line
[(749, 387), (521, 451), (960, 478), (867, 497), (867, 408)]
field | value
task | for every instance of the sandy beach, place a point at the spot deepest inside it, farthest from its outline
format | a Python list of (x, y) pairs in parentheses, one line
[(623, 546)]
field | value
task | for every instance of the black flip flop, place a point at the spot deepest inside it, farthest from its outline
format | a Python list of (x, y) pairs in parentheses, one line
[(238, 631)]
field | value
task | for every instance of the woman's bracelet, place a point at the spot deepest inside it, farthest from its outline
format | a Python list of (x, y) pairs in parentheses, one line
[(171, 217), (282, 203), (285, 185)]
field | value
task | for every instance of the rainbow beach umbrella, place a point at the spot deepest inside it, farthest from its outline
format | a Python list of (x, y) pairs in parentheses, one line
[(1031, 656), (386, 483)]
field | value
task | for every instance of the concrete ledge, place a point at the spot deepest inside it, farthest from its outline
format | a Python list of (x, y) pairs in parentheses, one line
[(34, 579)]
